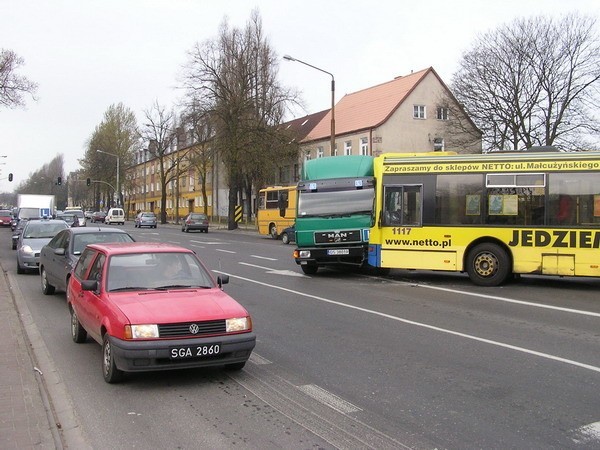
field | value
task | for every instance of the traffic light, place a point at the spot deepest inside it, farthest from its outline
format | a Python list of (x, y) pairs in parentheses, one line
[(59, 181), (10, 177), (88, 181)]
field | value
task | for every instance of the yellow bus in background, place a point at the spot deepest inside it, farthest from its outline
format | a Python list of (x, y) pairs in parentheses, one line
[(276, 209), (490, 215)]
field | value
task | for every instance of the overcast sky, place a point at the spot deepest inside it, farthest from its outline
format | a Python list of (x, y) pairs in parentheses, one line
[(87, 55)]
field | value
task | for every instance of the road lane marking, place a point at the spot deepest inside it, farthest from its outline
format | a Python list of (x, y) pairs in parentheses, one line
[(263, 257), (329, 399), (504, 299), (289, 273), (223, 251), (423, 325), (588, 434)]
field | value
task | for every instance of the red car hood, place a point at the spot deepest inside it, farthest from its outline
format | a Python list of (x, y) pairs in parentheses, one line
[(178, 305)]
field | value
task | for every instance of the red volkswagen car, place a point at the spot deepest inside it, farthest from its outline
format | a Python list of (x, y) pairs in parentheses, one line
[(155, 306)]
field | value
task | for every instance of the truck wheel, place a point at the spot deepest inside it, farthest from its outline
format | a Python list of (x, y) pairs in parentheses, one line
[(309, 269), (488, 265), (273, 231)]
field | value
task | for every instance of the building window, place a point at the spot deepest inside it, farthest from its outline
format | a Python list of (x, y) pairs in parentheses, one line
[(419, 112), (364, 146), (320, 152), (442, 113), (438, 144), (348, 148)]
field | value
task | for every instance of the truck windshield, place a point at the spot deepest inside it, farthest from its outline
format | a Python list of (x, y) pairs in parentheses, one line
[(327, 203)]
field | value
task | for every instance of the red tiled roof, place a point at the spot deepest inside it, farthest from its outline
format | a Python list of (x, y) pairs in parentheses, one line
[(368, 108)]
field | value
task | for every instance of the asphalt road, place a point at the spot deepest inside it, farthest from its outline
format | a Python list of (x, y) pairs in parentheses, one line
[(349, 360)]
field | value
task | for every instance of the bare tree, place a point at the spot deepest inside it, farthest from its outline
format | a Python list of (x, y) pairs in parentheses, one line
[(117, 135), (45, 181), (534, 82), (12, 85), (234, 76), (160, 131)]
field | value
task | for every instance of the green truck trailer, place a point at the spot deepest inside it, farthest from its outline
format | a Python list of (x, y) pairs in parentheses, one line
[(334, 212)]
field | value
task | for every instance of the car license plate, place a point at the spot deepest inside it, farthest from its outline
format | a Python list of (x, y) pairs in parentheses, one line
[(338, 251), (195, 351)]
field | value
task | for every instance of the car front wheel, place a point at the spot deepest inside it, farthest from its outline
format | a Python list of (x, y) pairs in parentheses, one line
[(109, 369), (285, 238)]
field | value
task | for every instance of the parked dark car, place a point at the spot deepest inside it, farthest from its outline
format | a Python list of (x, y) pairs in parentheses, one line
[(60, 255), (98, 216), (155, 306), (288, 235), (145, 219), (195, 221), (17, 232)]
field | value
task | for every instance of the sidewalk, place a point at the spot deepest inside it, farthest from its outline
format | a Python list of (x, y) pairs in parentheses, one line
[(35, 408)]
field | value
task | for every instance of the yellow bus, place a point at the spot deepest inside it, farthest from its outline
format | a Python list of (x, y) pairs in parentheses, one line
[(490, 215), (276, 209)]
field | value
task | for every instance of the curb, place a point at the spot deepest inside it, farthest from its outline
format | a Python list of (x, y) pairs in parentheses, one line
[(65, 428)]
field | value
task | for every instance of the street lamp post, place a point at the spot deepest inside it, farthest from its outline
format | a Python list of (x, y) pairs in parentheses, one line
[(290, 58), (118, 185)]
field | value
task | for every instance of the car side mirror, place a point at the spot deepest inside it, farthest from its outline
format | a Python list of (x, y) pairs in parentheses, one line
[(89, 285), (59, 251), (222, 279)]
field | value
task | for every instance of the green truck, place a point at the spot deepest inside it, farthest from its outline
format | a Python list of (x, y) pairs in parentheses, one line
[(334, 212)]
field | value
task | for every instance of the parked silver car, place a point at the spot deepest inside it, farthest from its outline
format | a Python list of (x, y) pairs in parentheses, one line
[(35, 235)]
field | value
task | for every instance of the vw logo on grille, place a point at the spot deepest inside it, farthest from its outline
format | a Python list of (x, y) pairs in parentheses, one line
[(194, 328)]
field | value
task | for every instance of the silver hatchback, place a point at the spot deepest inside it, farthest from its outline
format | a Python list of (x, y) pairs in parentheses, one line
[(145, 219), (35, 235)]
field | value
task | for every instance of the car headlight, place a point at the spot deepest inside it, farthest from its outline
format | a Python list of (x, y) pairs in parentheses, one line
[(147, 331), (27, 250), (238, 324)]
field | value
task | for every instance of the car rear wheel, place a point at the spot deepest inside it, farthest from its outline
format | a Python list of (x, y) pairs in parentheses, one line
[(109, 369), (47, 288), (285, 238), (78, 334)]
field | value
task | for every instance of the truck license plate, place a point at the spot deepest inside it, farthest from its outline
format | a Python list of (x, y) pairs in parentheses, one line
[(338, 251)]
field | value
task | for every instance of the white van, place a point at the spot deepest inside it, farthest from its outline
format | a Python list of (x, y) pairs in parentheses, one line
[(115, 215)]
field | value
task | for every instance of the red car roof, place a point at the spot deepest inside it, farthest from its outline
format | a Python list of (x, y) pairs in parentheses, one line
[(120, 248)]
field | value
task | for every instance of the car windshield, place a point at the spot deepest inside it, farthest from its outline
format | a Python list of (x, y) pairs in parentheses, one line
[(152, 271), (42, 230), (197, 217), (149, 215), (81, 240)]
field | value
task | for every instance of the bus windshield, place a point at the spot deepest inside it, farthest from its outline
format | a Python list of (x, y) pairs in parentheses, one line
[(329, 203)]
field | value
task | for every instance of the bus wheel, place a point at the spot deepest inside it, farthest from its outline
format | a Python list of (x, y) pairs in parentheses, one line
[(488, 265), (309, 269), (273, 231)]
